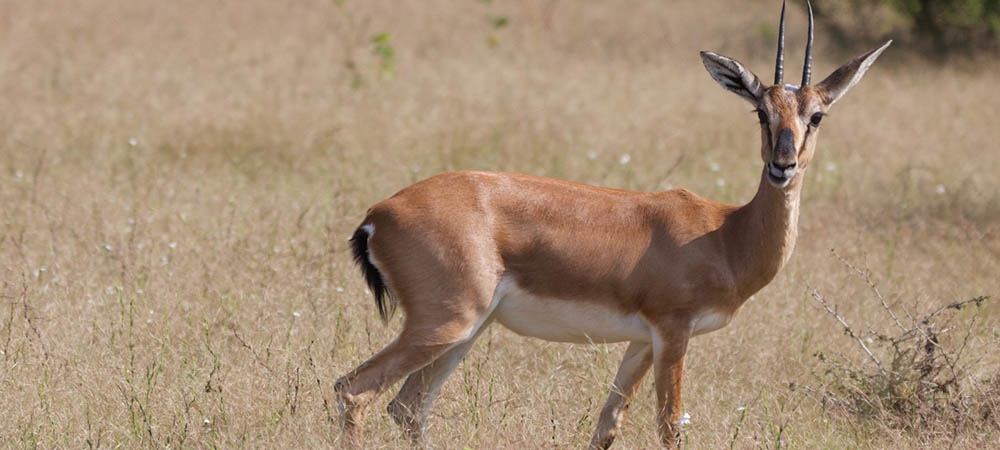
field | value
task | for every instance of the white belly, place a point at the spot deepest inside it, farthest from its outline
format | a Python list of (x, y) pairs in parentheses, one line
[(562, 320), (708, 321)]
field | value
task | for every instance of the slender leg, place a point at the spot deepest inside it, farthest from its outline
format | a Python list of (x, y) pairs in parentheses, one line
[(413, 402), (358, 388), (408, 353), (669, 347), (638, 358)]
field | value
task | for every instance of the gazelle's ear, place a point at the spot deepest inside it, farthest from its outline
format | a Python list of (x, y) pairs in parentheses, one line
[(842, 79), (730, 74)]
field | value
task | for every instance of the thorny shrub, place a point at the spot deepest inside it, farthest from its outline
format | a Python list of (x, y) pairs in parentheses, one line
[(914, 371)]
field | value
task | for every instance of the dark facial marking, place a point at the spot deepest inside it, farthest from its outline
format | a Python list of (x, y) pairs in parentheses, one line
[(786, 142)]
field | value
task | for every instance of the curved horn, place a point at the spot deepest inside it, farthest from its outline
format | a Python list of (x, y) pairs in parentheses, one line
[(807, 69), (779, 69)]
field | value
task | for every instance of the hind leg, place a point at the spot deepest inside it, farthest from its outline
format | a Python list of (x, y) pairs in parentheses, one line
[(413, 402), (427, 335), (356, 390)]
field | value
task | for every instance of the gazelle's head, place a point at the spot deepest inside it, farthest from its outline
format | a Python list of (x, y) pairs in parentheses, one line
[(789, 115)]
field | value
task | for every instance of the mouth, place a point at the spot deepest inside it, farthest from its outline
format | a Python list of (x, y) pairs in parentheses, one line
[(779, 177)]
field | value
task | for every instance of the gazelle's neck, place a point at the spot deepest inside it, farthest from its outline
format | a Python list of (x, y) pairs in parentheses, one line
[(762, 233)]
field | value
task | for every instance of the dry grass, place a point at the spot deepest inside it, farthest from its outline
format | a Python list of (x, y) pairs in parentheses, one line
[(179, 180)]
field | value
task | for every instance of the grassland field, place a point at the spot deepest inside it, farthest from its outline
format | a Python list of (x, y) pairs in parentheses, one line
[(178, 181)]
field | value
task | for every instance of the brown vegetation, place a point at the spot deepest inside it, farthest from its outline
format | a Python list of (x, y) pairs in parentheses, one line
[(178, 181)]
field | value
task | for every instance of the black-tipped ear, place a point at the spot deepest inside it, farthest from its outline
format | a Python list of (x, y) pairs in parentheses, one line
[(730, 74), (842, 79)]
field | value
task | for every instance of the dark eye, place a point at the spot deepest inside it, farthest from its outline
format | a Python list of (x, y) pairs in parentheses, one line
[(816, 119), (761, 116)]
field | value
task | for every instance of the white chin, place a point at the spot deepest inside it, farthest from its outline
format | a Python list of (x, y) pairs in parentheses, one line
[(779, 182), (779, 178)]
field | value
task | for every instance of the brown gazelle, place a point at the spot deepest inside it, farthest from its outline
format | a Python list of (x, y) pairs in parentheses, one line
[(574, 263)]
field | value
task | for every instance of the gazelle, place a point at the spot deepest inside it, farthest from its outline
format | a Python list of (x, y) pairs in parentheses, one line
[(574, 263)]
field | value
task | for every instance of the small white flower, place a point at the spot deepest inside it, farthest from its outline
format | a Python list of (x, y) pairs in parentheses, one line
[(685, 419), (107, 247), (140, 291), (741, 408), (164, 260), (110, 290), (172, 245), (939, 189), (151, 312), (2, 353), (149, 320), (275, 249), (133, 142), (591, 155), (18, 174), (206, 421), (869, 340), (714, 166), (296, 313), (720, 182), (624, 159), (830, 167), (340, 289)]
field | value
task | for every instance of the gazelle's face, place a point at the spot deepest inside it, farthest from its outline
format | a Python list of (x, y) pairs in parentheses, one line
[(789, 122), (789, 115)]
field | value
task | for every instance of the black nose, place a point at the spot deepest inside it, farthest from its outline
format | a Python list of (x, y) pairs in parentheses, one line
[(783, 167)]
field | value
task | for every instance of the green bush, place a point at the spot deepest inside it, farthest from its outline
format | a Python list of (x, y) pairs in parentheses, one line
[(948, 23), (939, 25)]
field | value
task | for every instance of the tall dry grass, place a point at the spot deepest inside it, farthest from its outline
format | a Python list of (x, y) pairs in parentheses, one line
[(179, 180)]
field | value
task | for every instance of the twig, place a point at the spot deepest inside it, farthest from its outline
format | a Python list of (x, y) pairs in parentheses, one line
[(312, 366), (250, 349), (927, 319), (871, 284), (847, 327), (27, 318)]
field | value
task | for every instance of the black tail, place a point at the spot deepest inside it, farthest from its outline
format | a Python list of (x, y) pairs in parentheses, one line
[(359, 246)]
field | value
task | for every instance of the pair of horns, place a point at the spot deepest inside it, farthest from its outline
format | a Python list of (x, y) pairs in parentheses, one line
[(779, 69)]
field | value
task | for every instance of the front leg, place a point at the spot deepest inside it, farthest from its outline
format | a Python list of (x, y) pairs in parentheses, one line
[(669, 346), (635, 364)]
